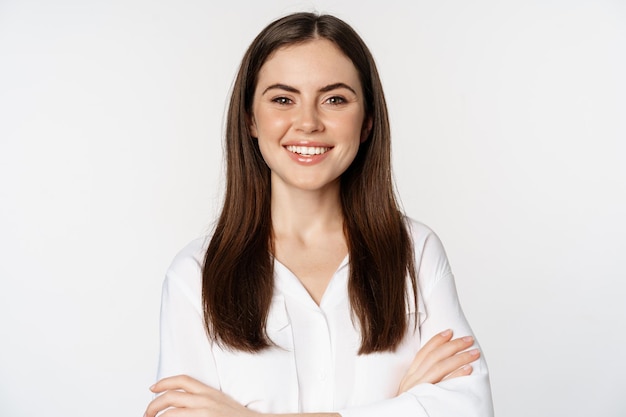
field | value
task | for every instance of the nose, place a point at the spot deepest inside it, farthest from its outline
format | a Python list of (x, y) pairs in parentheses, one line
[(308, 119)]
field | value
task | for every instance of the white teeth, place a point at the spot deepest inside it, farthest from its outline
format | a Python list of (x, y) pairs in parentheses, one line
[(307, 150)]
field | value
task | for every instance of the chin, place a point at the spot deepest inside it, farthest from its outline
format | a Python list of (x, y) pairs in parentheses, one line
[(316, 185)]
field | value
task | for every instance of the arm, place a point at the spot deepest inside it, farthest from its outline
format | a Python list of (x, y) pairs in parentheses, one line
[(466, 396), (469, 396), (184, 345), (191, 398), (438, 360)]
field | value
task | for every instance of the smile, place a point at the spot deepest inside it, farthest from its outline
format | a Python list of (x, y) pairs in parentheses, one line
[(308, 150)]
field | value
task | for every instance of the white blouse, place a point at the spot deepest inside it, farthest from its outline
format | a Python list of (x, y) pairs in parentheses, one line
[(315, 366)]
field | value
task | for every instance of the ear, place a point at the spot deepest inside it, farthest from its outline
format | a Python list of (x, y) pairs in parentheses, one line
[(367, 128), (252, 126)]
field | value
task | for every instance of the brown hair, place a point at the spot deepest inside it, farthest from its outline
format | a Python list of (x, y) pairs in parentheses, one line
[(238, 270)]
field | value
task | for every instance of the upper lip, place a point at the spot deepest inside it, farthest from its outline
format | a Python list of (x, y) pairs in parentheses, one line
[(307, 143)]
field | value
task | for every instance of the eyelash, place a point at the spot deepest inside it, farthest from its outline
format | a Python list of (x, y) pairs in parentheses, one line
[(334, 100)]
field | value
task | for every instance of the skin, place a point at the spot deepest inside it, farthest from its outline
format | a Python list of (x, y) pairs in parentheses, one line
[(309, 94)]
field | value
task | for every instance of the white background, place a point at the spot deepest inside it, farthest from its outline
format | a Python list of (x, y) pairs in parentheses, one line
[(509, 122)]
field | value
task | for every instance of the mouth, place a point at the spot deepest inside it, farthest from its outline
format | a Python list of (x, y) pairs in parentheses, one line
[(308, 150)]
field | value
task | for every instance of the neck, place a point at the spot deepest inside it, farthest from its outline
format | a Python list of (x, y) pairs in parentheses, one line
[(303, 213)]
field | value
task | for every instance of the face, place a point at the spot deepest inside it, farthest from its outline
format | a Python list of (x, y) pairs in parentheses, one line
[(308, 115)]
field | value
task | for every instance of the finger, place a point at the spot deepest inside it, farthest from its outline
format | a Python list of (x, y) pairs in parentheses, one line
[(445, 351), (432, 372), (434, 342), (462, 371), (180, 382), (445, 367), (183, 412), (176, 399)]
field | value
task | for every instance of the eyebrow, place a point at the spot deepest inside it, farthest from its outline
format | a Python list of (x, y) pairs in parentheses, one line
[(294, 90)]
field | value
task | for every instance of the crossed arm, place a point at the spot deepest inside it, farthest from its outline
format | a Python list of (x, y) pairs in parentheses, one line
[(441, 358)]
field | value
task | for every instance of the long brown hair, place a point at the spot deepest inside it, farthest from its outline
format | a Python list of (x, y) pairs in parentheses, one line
[(238, 271)]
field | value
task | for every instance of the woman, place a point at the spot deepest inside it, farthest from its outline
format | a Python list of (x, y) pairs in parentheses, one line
[(314, 293)]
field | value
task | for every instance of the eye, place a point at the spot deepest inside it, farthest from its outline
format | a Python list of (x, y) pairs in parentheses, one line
[(282, 100), (336, 100)]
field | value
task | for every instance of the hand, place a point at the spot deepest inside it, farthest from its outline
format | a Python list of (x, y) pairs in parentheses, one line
[(191, 398), (440, 359)]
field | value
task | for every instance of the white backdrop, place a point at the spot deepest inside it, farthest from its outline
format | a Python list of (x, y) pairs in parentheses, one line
[(509, 123)]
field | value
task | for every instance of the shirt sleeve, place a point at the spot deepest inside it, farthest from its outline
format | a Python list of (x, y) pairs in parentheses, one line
[(466, 396), (185, 348)]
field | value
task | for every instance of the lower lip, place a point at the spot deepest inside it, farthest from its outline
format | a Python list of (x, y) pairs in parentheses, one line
[(308, 159)]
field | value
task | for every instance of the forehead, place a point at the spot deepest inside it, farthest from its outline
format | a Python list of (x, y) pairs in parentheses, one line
[(318, 61)]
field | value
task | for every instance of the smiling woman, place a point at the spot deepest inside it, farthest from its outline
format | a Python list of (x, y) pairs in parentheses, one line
[(308, 108), (314, 293)]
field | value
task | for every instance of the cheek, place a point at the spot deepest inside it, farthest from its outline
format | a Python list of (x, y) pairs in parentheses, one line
[(270, 123), (349, 127)]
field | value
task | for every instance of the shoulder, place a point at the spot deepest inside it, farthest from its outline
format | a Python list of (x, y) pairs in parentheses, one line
[(431, 261), (185, 271), (424, 238)]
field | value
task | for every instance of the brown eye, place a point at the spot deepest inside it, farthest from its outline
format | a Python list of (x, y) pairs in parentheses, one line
[(336, 100), (282, 100)]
